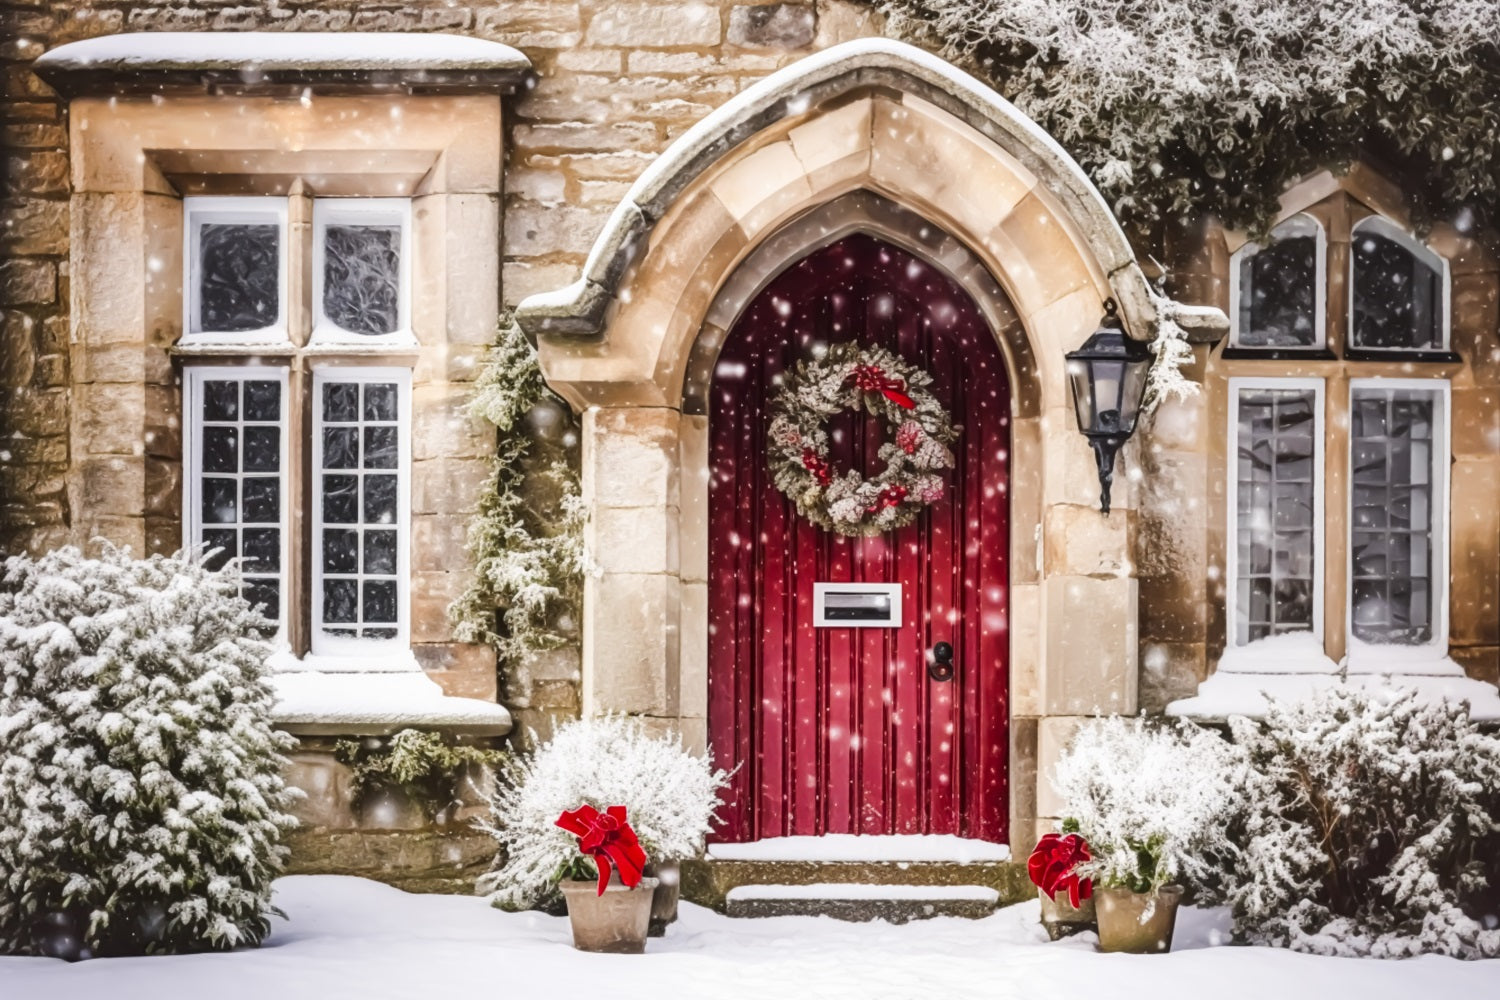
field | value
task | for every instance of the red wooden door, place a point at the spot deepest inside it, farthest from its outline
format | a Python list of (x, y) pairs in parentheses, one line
[(841, 730)]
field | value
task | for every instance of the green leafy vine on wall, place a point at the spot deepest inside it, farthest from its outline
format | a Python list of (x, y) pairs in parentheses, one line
[(527, 534), (1179, 109)]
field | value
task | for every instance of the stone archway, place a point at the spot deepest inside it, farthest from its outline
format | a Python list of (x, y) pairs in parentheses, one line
[(905, 129)]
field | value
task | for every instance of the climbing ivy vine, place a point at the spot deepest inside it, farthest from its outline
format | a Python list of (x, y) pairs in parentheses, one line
[(527, 534)]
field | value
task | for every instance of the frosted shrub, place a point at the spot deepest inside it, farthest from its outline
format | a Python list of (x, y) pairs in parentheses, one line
[(669, 793), (1149, 800), (1369, 828), (141, 800)]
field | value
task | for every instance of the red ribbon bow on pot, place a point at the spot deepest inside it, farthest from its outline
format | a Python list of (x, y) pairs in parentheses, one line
[(609, 840), (1051, 866), (872, 378)]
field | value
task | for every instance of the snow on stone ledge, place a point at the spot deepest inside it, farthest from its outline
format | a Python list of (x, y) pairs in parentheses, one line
[(863, 890), (354, 704), (1238, 693), (854, 847), (310, 51)]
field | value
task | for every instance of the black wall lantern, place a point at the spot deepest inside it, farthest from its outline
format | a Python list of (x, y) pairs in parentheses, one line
[(1109, 378)]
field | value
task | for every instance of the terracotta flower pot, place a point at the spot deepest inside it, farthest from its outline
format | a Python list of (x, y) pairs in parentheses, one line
[(1124, 926), (668, 876), (615, 922), (1061, 918)]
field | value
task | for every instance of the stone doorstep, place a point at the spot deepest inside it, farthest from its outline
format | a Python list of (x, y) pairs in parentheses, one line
[(895, 904), (710, 882)]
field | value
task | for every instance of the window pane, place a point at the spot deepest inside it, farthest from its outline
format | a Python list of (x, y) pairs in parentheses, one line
[(340, 601), (262, 550), (1275, 512), (362, 277), (221, 400), (240, 514), (341, 499), (380, 401), (221, 450), (1278, 291), (237, 275), (1390, 522), (224, 540), (380, 447), (220, 501), (361, 538), (262, 500), (341, 447), (262, 449), (340, 551), (1398, 297), (340, 402), (263, 401)]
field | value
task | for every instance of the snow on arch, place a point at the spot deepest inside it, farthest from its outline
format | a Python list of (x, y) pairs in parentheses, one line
[(578, 309)]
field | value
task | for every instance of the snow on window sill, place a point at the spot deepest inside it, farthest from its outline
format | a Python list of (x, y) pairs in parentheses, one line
[(317, 702), (1289, 653)]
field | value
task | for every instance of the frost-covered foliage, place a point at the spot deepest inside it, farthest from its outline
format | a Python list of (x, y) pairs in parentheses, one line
[(1178, 108), (1370, 828), (527, 536), (428, 769), (1149, 800), (1171, 354), (141, 801), (670, 796)]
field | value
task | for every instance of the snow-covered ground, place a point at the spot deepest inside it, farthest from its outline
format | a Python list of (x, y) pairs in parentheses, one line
[(350, 938)]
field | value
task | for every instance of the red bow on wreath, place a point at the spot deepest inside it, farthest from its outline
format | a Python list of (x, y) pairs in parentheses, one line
[(872, 378), (814, 463), (1051, 866), (891, 496), (608, 839)]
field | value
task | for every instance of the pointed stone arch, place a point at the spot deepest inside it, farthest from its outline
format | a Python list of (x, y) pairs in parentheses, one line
[(856, 136)]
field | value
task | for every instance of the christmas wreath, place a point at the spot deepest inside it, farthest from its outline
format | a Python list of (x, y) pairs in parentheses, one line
[(878, 382)]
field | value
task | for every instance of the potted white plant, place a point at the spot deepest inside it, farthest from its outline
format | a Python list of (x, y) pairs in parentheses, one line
[(669, 794), (609, 897), (1146, 801)]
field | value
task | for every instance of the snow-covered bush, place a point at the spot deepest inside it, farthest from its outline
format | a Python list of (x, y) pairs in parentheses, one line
[(141, 801), (1149, 800), (428, 769), (670, 796), (1370, 828)]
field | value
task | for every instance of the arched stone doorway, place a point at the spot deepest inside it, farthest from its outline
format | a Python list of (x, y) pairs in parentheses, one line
[(890, 131)]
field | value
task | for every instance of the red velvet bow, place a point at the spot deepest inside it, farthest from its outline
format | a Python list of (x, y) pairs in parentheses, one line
[(608, 839), (815, 464), (872, 378), (1051, 866), (891, 496)]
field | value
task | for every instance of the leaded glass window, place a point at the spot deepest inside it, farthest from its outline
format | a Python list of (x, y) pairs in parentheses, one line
[(362, 267), (235, 267), (1395, 447), (1276, 508), (360, 505), (237, 475), (1398, 291), (1278, 288)]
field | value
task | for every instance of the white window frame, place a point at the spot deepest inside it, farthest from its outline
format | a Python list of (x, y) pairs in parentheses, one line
[(192, 488), (1388, 229), (362, 211), (1292, 226), (1364, 656), (357, 651), (1231, 547), (201, 209)]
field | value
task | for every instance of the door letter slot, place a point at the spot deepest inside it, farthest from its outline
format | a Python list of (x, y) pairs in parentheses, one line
[(857, 605)]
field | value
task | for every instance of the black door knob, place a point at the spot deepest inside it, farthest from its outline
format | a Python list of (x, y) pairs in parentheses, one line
[(940, 668)]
